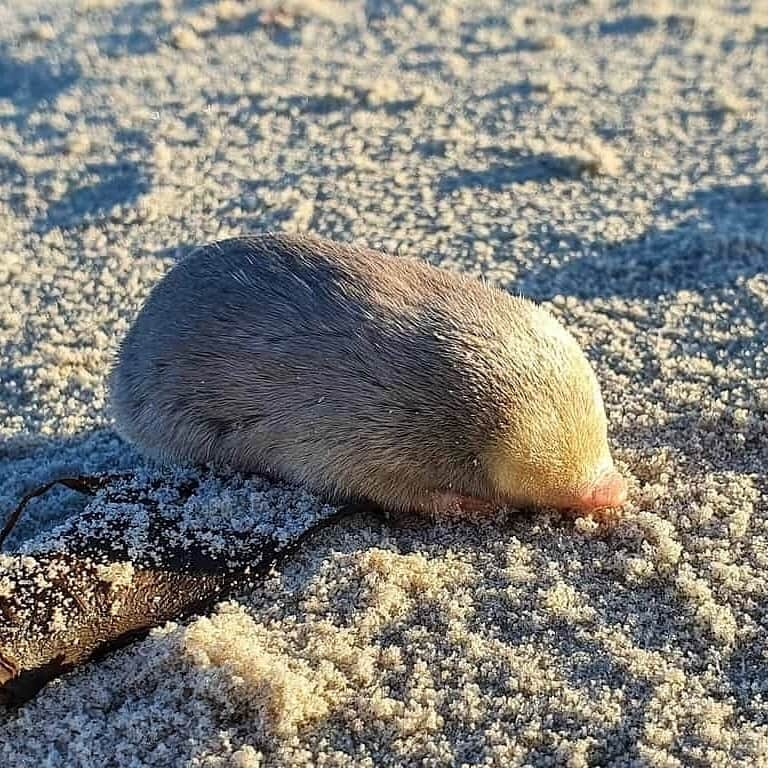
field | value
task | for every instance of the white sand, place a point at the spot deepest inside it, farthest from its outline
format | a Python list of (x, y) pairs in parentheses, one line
[(607, 157)]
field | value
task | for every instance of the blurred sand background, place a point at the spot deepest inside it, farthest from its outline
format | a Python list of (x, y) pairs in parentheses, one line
[(608, 158)]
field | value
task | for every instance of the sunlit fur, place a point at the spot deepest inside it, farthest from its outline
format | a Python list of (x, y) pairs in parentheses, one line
[(554, 445), (358, 375)]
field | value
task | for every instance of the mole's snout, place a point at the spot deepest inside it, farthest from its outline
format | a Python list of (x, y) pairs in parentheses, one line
[(609, 490)]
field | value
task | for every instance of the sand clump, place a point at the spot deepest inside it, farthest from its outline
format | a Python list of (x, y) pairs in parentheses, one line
[(619, 176), (243, 678)]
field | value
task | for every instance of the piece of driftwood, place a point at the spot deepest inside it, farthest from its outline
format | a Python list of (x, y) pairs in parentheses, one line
[(132, 560)]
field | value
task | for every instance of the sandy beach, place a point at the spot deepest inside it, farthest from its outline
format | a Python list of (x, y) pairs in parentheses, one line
[(606, 158)]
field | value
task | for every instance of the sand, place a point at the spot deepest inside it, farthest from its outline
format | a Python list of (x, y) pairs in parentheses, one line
[(607, 158)]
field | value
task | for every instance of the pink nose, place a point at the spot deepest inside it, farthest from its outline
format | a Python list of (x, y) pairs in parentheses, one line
[(609, 490)]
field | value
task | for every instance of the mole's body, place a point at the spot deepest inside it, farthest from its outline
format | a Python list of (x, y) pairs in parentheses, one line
[(363, 375)]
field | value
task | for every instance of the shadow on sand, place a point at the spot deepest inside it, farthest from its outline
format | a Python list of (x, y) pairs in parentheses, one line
[(722, 238)]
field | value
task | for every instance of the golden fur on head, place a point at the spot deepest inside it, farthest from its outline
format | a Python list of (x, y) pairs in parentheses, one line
[(554, 443)]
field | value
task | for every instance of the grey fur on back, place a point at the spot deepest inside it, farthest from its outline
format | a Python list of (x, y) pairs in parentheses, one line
[(339, 367)]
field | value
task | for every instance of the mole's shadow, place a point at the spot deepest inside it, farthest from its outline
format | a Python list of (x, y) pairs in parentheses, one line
[(722, 239)]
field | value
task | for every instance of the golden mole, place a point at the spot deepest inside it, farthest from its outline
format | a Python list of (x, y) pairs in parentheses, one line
[(363, 375)]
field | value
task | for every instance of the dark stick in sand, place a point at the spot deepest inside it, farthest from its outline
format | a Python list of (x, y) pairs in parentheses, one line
[(107, 577)]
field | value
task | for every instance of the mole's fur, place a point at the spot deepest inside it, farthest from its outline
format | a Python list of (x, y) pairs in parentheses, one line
[(363, 375)]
